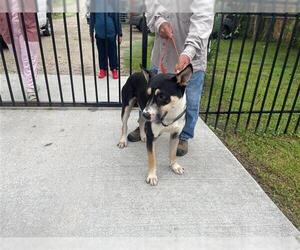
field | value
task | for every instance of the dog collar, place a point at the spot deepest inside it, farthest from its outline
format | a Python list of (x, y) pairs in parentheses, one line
[(176, 119)]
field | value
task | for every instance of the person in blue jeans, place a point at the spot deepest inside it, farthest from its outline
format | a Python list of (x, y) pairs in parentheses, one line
[(107, 27), (190, 33)]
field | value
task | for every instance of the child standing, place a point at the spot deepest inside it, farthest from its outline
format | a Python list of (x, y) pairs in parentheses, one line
[(106, 26), (18, 36)]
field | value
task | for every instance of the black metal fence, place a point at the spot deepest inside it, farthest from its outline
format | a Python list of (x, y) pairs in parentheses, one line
[(252, 80)]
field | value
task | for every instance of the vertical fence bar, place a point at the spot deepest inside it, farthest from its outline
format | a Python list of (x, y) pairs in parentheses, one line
[(224, 77), (271, 74), (81, 53), (144, 42), (56, 59), (288, 90), (68, 55), (209, 45), (94, 67), (7, 76), (106, 55), (16, 56), (43, 60), (292, 110), (260, 69), (130, 49), (29, 56), (214, 69), (281, 75), (237, 71), (119, 57), (93, 10), (248, 74)]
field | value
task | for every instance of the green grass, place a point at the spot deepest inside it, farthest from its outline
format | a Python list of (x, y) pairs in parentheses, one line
[(272, 159)]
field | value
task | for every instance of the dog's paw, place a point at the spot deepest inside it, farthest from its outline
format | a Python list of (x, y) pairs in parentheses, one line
[(177, 169), (122, 144), (152, 179)]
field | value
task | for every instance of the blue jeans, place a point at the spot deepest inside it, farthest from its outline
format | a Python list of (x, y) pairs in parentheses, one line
[(193, 93), (193, 96)]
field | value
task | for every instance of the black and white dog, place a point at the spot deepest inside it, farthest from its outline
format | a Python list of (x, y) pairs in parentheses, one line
[(161, 98)]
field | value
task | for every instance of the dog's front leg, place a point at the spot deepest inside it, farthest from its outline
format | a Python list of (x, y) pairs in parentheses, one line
[(125, 115), (174, 140), (142, 128), (152, 177)]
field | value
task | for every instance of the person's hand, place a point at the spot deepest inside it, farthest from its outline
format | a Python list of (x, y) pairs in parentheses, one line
[(120, 40), (183, 61), (166, 31)]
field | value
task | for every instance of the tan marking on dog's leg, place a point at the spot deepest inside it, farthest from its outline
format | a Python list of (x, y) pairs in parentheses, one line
[(173, 160), (152, 177), (123, 141), (142, 129)]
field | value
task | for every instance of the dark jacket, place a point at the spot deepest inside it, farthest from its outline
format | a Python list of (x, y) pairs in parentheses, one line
[(113, 25)]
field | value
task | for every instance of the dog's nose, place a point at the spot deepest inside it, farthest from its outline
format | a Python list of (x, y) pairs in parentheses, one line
[(147, 115)]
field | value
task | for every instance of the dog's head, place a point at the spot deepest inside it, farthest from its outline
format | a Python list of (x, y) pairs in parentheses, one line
[(165, 92)]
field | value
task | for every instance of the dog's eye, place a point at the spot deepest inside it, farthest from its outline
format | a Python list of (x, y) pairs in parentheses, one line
[(162, 96), (163, 99)]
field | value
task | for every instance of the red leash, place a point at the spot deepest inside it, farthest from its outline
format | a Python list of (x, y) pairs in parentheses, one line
[(162, 67)]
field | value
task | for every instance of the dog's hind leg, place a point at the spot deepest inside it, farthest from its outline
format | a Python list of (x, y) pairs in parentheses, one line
[(125, 115), (173, 148)]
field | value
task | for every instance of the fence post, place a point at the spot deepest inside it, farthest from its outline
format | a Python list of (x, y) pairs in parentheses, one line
[(144, 42)]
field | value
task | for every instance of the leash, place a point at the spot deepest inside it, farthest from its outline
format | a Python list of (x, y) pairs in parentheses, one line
[(162, 67), (175, 120), (175, 47)]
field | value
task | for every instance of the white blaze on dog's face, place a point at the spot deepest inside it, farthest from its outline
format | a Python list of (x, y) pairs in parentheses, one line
[(165, 91)]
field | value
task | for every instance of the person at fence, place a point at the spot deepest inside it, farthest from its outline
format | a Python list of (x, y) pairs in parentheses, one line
[(107, 27), (186, 34), (18, 35)]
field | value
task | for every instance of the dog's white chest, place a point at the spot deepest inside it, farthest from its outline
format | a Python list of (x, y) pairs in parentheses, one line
[(176, 127)]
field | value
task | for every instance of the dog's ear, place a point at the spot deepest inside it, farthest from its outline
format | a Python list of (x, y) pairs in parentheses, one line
[(146, 73), (185, 75)]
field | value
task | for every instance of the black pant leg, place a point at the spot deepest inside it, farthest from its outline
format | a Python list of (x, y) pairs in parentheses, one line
[(112, 53), (102, 53)]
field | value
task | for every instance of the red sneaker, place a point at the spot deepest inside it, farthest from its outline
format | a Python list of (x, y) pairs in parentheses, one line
[(115, 74), (102, 73)]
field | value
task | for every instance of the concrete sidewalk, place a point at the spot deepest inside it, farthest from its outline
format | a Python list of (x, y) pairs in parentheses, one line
[(62, 175)]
